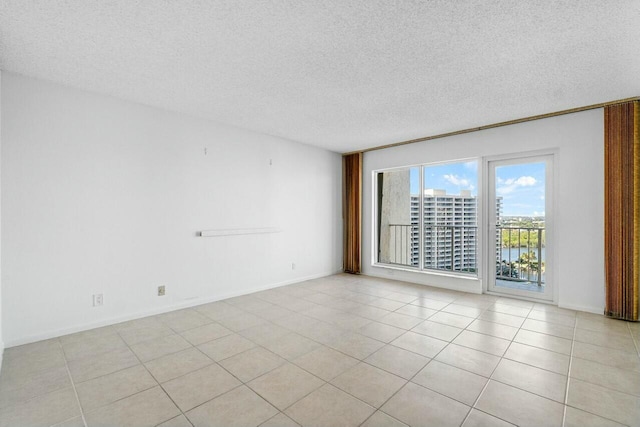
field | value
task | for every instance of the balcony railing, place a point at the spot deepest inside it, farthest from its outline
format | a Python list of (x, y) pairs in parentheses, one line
[(520, 254), (446, 247)]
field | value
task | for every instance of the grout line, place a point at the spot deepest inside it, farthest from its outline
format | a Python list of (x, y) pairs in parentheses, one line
[(73, 384), (379, 290), (566, 391)]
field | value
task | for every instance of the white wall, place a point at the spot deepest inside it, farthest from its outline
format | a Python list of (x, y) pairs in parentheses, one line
[(100, 195), (1, 336), (579, 210)]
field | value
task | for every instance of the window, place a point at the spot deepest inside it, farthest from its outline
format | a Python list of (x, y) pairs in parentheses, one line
[(427, 217)]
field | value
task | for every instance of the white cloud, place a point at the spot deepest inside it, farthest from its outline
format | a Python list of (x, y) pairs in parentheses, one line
[(458, 181), (506, 186)]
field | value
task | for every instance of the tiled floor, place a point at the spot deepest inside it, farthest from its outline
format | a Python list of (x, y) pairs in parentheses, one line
[(338, 351)]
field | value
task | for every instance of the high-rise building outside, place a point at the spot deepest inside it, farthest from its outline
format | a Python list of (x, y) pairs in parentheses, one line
[(450, 230)]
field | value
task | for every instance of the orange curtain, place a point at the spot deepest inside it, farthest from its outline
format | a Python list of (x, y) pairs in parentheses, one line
[(622, 209), (352, 211)]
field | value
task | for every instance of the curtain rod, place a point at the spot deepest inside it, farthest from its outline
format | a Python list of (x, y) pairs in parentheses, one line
[(496, 125)]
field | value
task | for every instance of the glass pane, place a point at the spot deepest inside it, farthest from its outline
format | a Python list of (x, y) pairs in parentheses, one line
[(520, 226), (451, 217), (398, 225)]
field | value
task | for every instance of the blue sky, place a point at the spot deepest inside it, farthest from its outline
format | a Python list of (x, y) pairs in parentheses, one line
[(522, 189), (521, 186)]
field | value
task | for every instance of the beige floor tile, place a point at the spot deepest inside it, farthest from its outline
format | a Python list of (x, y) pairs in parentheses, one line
[(601, 324), (606, 376), (481, 342), (17, 389), (613, 340), (547, 316), (369, 312), (356, 345), (348, 321), (519, 407), (226, 346), (104, 364), (158, 347), (480, 419), (515, 302), (252, 363), (548, 328), (72, 422), (398, 361), (218, 310), (179, 421), (502, 318), (205, 333), (322, 313), (92, 347), (437, 330), (296, 322), (291, 346), (144, 332), (554, 309), (400, 320), (273, 313), (239, 407), (579, 418), (264, 333), (137, 323), (494, 329), (621, 407), (91, 333), (477, 301), (607, 356), (329, 406), (512, 310), (417, 406), (544, 341), (107, 389), (451, 319), (450, 381), (32, 359), (381, 331), (44, 410), (325, 362), (241, 322), (183, 320), (174, 365), (430, 303), (285, 385), (386, 304), (469, 359), (323, 332), (369, 384), (402, 297), (463, 310), (416, 311), (421, 344), (200, 386), (529, 378), (280, 420), (540, 358), (380, 419)]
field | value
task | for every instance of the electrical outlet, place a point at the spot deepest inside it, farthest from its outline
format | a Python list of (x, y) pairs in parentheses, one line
[(293, 265), (98, 300), (161, 290)]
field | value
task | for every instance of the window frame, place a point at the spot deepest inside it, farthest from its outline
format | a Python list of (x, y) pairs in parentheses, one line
[(421, 265)]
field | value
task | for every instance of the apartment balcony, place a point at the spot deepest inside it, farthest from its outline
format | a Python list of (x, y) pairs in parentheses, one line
[(520, 258)]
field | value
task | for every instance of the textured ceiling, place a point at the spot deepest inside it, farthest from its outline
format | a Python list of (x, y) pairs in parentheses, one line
[(339, 74)]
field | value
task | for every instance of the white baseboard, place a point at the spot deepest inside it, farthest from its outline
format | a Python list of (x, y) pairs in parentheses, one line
[(1, 354), (588, 309), (177, 306)]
